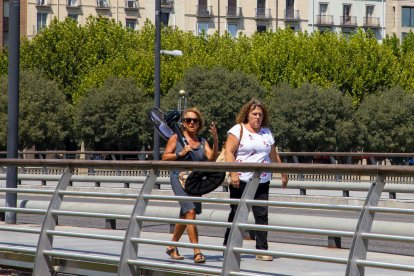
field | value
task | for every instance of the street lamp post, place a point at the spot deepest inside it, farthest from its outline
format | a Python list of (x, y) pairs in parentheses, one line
[(157, 71), (157, 74)]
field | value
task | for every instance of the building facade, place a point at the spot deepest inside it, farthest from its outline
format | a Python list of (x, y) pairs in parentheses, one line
[(346, 16), (232, 16)]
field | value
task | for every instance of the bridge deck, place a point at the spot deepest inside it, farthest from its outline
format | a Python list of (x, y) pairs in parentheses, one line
[(151, 253)]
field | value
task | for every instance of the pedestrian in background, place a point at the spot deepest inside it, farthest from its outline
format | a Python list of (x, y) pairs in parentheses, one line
[(250, 140), (192, 124)]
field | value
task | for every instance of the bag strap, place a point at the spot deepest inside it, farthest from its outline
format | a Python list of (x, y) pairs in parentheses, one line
[(241, 135)]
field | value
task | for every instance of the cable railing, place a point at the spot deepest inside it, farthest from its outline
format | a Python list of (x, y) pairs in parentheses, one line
[(129, 262)]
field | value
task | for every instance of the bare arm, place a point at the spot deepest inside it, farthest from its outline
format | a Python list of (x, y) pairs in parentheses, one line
[(275, 158), (169, 152), (232, 143), (212, 153)]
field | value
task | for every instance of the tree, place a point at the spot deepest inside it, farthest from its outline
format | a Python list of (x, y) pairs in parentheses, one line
[(387, 121), (3, 62), (312, 119), (45, 118), (218, 93), (114, 116)]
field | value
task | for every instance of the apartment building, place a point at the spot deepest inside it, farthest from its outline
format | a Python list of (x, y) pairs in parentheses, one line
[(346, 16), (233, 16)]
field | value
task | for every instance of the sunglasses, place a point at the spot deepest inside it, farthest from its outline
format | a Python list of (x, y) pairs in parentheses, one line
[(189, 120)]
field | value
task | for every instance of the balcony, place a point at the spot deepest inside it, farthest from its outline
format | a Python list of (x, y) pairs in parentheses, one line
[(263, 14), (234, 12), (43, 3), (167, 4), (204, 11), (131, 5), (73, 3), (291, 15), (348, 21), (324, 20), (372, 22), (102, 4)]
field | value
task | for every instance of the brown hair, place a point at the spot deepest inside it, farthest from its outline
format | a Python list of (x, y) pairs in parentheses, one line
[(200, 117), (243, 116)]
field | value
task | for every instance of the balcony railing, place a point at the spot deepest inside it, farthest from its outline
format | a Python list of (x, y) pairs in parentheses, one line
[(371, 22), (73, 3), (43, 3), (131, 4), (263, 13), (349, 21), (234, 12), (292, 15), (167, 4), (102, 4), (324, 20), (204, 11)]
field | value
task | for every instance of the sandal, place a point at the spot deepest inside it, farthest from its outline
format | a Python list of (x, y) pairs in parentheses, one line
[(201, 259), (173, 253)]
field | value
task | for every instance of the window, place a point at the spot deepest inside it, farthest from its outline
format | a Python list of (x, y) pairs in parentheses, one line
[(41, 21), (232, 28), (408, 16), (102, 3), (72, 3), (323, 9), (261, 29), (346, 11), (6, 9), (74, 16), (369, 12), (131, 23), (261, 4), (131, 4), (165, 17), (202, 28)]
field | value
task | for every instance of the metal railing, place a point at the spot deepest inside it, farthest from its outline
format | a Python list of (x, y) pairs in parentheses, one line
[(263, 13), (131, 4), (324, 20), (348, 21), (371, 22), (233, 12), (292, 15), (204, 11), (102, 4), (129, 261)]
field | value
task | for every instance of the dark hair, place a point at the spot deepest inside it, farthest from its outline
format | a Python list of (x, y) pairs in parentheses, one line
[(243, 116), (200, 117)]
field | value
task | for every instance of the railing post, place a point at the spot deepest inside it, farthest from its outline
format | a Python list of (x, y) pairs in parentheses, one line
[(43, 264), (129, 248), (359, 245), (231, 262)]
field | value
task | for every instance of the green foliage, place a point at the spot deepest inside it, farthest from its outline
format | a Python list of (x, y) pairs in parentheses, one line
[(312, 119), (114, 116), (3, 62), (387, 120), (218, 93), (44, 114)]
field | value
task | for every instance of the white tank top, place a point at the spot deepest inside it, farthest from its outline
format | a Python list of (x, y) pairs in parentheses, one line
[(253, 147)]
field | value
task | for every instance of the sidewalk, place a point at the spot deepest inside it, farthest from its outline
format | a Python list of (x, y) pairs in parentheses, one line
[(280, 266)]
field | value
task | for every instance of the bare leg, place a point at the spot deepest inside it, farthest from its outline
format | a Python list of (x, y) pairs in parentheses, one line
[(192, 229), (178, 232)]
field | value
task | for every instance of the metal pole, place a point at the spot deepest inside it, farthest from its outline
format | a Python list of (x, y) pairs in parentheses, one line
[(157, 73), (13, 106)]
